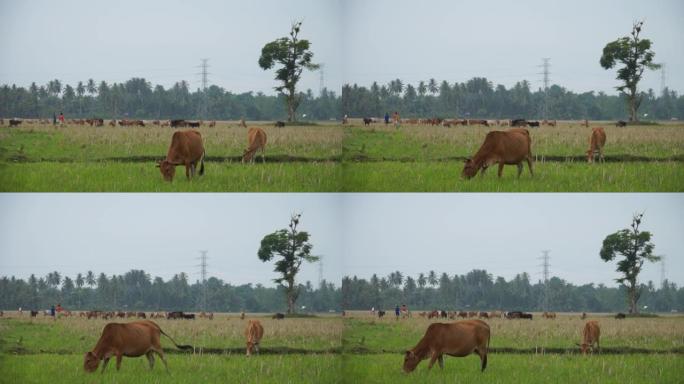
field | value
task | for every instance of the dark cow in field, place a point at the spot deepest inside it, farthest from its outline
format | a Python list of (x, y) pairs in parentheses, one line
[(189, 316), (621, 123), (174, 315), (443, 314), (256, 138), (457, 339), (141, 315), (186, 149), (131, 340), (279, 124), (483, 314), (518, 315), (620, 316), (367, 121), (432, 314), (478, 122), (534, 124), (510, 147), (463, 314), (178, 123), (193, 124), (381, 314), (14, 122), (34, 313), (278, 316), (518, 123)]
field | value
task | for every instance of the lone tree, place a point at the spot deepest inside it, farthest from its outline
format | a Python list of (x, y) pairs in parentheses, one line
[(634, 246), (292, 247), (636, 55), (294, 56)]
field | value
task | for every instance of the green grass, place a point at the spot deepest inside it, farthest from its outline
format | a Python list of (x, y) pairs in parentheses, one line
[(548, 177), (279, 369), (387, 368)]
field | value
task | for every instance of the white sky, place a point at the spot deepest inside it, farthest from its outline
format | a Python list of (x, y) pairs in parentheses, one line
[(357, 234), (358, 41)]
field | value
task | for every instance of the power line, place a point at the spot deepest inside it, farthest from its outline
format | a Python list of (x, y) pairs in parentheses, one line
[(545, 65)]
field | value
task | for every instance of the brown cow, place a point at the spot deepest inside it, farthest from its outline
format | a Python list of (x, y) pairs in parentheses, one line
[(253, 333), (590, 335), (457, 339), (596, 143), (132, 339), (257, 140), (186, 149), (502, 147)]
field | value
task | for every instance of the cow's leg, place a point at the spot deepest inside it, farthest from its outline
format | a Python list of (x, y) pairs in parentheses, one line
[(440, 360), (104, 365), (150, 359), (163, 359), (520, 168), (433, 359), (119, 357), (529, 165), (501, 165), (263, 154), (603, 160), (483, 360)]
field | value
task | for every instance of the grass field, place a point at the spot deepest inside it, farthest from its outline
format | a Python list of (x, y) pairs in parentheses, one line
[(330, 158), (357, 349)]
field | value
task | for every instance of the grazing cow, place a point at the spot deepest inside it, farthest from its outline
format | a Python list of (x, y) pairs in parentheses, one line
[(174, 315), (463, 314), (590, 336), (584, 315), (130, 314), (596, 143), (452, 315), (121, 314), (14, 122), (141, 315), (278, 316), (253, 333), (189, 316), (533, 124), (549, 315), (443, 314), (212, 124), (176, 123), (112, 123), (186, 149), (620, 316), (502, 147), (381, 314), (518, 315), (194, 124), (34, 313), (279, 124), (209, 315), (518, 123), (257, 140), (483, 314), (586, 123), (472, 314), (243, 124), (422, 314), (165, 124), (478, 122), (131, 340), (367, 121), (155, 122), (457, 339), (432, 314), (621, 123)]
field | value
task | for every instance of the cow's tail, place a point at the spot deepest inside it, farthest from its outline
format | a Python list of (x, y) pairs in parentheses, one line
[(201, 171), (484, 360), (174, 341)]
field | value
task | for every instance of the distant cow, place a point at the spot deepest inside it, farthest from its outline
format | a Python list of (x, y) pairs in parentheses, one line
[(189, 316), (257, 140), (279, 124), (34, 313), (518, 315), (177, 123), (463, 314), (590, 336), (620, 316), (478, 122), (131, 340), (483, 314), (549, 315), (533, 124), (381, 314), (278, 316), (174, 315), (212, 124), (14, 122), (621, 123), (253, 333), (457, 339), (501, 147), (518, 123), (432, 314), (443, 314), (186, 149), (596, 143), (209, 315), (141, 315), (193, 124), (367, 120)]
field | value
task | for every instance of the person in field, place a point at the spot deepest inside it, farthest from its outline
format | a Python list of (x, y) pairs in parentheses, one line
[(61, 118), (386, 118)]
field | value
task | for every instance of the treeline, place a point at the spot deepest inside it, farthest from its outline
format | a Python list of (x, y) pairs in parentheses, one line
[(136, 290), (137, 98), (480, 290), (480, 98)]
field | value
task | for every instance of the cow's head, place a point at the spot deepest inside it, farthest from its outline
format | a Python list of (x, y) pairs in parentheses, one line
[(590, 156), (584, 348), (469, 169), (251, 346), (411, 361), (247, 155), (90, 362), (167, 169)]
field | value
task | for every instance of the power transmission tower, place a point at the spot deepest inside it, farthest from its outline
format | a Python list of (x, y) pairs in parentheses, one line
[(662, 78), (320, 271), (321, 83), (662, 271), (204, 73), (203, 272), (545, 272), (545, 65)]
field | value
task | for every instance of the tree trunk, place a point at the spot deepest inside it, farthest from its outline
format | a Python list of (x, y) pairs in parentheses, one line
[(632, 108), (633, 308)]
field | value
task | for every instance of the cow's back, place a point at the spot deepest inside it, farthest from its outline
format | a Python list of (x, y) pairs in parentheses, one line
[(598, 138), (459, 338), (186, 146)]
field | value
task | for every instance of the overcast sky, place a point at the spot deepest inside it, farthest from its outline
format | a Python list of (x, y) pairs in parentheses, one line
[(358, 41), (357, 234)]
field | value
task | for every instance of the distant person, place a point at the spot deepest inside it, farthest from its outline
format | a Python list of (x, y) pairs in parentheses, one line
[(396, 119), (397, 311), (52, 311), (61, 118), (59, 308), (386, 118), (345, 119)]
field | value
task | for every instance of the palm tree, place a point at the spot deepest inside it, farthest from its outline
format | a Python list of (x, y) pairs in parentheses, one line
[(422, 88), (432, 278), (90, 279), (432, 86)]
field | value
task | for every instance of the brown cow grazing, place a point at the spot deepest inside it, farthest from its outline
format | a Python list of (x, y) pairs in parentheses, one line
[(596, 143), (253, 333), (457, 339), (257, 140), (502, 147), (132, 339), (186, 149), (590, 336)]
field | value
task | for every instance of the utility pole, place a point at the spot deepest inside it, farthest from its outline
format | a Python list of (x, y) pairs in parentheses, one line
[(203, 272), (545, 272), (205, 83), (321, 83), (545, 65)]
